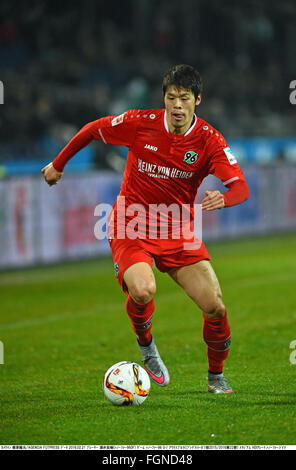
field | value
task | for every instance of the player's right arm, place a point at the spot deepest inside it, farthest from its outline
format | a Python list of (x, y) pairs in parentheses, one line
[(117, 130), (51, 175)]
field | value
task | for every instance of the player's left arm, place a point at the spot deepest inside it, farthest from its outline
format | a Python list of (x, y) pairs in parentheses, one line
[(224, 166), (238, 192)]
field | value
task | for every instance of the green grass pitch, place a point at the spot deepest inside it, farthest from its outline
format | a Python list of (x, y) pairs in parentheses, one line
[(63, 326)]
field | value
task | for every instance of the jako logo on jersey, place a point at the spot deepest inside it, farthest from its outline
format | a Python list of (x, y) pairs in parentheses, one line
[(150, 147), (190, 157)]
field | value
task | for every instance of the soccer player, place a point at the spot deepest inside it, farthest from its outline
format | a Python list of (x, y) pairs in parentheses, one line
[(171, 151)]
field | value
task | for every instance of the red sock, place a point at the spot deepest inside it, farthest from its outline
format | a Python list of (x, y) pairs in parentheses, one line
[(216, 334), (141, 318)]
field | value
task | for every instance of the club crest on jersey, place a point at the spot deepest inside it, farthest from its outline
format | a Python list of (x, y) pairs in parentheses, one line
[(190, 157)]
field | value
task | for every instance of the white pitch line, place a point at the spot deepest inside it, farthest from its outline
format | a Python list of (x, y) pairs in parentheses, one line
[(85, 313), (240, 283)]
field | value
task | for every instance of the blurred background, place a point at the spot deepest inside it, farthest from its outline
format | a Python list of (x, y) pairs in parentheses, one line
[(63, 64)]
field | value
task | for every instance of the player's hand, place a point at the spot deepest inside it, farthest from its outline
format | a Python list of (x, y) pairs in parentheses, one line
[(213, 200), (51, 175)]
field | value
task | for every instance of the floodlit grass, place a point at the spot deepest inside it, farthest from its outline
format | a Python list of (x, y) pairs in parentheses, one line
[(64, 326)]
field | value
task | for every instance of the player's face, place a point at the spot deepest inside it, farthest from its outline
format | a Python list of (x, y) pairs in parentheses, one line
[(180, 106)]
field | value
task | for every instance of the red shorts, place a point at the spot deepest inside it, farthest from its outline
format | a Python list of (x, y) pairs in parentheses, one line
[(127, 252)]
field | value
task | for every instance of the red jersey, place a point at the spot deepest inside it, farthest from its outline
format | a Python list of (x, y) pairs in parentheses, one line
[(162, 167)]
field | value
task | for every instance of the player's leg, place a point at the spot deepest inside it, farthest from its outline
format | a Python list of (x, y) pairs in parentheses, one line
[(133, 269), (140, 285), (200, 282), (140, 282)]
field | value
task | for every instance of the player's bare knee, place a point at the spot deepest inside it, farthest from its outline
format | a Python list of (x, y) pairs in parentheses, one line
[(215, 310), (142, 293)]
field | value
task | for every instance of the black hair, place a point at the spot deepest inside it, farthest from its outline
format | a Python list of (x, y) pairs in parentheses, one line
[(183, 76)]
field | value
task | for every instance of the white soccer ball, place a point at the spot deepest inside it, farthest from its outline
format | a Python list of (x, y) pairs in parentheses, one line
[(126, 383)]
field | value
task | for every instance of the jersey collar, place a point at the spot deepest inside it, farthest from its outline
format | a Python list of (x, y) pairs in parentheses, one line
[(179, 135)]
